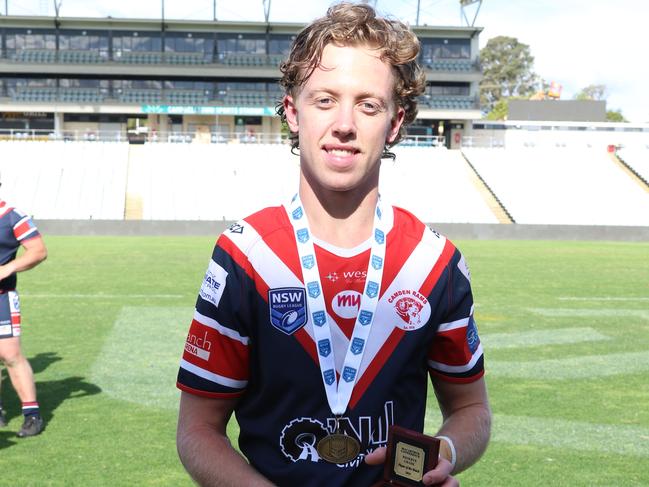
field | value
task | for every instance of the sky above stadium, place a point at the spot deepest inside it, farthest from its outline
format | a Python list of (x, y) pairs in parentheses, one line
[(575, 43)]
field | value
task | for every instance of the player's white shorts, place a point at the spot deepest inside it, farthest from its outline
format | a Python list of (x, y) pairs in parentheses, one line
[(9, 314)]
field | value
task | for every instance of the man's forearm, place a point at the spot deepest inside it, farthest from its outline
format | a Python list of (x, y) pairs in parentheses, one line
[(469, 429), (212, 461)]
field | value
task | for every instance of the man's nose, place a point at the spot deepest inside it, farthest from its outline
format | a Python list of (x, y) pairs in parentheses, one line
[(345, 122)]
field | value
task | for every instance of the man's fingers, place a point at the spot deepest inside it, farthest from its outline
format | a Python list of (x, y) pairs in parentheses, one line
[(441, 474), (377, 457)]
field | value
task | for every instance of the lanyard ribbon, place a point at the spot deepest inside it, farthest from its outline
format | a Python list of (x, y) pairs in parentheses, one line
[(338, 392)]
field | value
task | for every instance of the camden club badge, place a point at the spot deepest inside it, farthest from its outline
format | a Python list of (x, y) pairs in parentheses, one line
[(287, 307)]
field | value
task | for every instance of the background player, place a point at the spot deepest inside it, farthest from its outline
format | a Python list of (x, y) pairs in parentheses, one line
[(268, 339), (17, 230)]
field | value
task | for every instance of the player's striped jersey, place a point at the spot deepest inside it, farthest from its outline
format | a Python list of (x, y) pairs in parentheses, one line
[(251, 337), (14, 229)]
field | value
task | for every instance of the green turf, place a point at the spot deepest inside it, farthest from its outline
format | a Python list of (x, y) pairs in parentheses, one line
[(565, 327)]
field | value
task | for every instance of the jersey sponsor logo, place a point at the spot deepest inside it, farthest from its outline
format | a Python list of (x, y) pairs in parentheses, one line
[(198, 346), (287, 307), (377, 262), (299, 438), (346, 304), (332, 276), (379, 236), (236, 228), (411, 307), (297, 213), (354, 276), (472, 338), (213, 283)]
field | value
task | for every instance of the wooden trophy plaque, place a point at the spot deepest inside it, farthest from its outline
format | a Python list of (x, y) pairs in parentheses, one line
[(409, 456)]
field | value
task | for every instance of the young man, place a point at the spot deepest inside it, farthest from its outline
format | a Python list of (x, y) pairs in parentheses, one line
[(17, 229), (318, 322)]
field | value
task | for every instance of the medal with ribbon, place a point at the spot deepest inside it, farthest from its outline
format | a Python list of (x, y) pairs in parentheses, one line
[(338, 447)]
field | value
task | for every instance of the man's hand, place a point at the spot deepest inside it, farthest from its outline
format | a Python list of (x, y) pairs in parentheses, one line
[(5, 271), (439, 476)]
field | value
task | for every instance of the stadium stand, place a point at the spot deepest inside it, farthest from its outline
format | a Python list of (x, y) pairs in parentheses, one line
[(58, 180), (637, 158), (562, 186), (446, 180)]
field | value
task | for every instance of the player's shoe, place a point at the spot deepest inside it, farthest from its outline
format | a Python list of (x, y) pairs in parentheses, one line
[(32, 426), (3, 418)]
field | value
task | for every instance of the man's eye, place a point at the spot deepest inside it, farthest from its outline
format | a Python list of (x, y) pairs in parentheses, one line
[(324, 101), (370, 107)]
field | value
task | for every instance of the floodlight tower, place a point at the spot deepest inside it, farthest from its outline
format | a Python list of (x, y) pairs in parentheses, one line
[(466, 3)]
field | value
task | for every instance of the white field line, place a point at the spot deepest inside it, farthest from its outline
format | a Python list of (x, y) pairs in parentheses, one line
[(139, 360), (603, 298), (100, 296), (540, 337), (591, 312), (561, 433), (581, 367)]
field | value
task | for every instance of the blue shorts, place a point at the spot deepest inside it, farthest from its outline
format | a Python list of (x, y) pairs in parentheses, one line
[(9, 314)]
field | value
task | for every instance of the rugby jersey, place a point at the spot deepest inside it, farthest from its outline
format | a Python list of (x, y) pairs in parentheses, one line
[(14, 229), (251, 338)]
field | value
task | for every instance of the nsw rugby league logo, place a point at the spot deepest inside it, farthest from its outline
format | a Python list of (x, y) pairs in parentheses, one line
[(287, 307)]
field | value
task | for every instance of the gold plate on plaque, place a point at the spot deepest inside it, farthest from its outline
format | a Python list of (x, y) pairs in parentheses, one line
[(409, 461), (338, 448)]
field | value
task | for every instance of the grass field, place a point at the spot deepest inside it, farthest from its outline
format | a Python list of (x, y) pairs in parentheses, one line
[(565, 327)]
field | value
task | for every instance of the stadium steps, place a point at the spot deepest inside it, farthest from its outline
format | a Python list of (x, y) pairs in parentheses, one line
[(632, 173), (135, 182), (494, 203)]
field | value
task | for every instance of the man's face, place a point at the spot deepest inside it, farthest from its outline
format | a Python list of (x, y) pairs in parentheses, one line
[(344, 115)]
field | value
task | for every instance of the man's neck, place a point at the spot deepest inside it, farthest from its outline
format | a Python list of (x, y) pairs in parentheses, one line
[(343, 219)]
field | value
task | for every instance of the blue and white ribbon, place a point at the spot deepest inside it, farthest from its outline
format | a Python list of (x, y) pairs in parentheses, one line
[(338, 392)]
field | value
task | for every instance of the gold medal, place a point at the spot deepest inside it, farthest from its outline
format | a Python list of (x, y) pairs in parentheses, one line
[(338, 448)]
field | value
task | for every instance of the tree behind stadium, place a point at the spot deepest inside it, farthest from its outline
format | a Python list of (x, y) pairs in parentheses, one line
[(507, 71)]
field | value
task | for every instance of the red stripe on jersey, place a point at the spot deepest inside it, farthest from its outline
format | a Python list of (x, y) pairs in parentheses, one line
[(21, 230), (397, 250), (376, 365), (242, 260), (211, 395), (15, 318), (208, 349), (459, 380), (451, 348), (239, 257), (275, 240), (397, 334), (277, 232), (438, 268)]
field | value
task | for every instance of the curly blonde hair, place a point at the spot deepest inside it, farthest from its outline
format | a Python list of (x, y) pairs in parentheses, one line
[(348, 24)]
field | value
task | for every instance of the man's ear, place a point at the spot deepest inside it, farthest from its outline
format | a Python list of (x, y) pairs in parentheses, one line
[(291, 113), (395, 125)]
